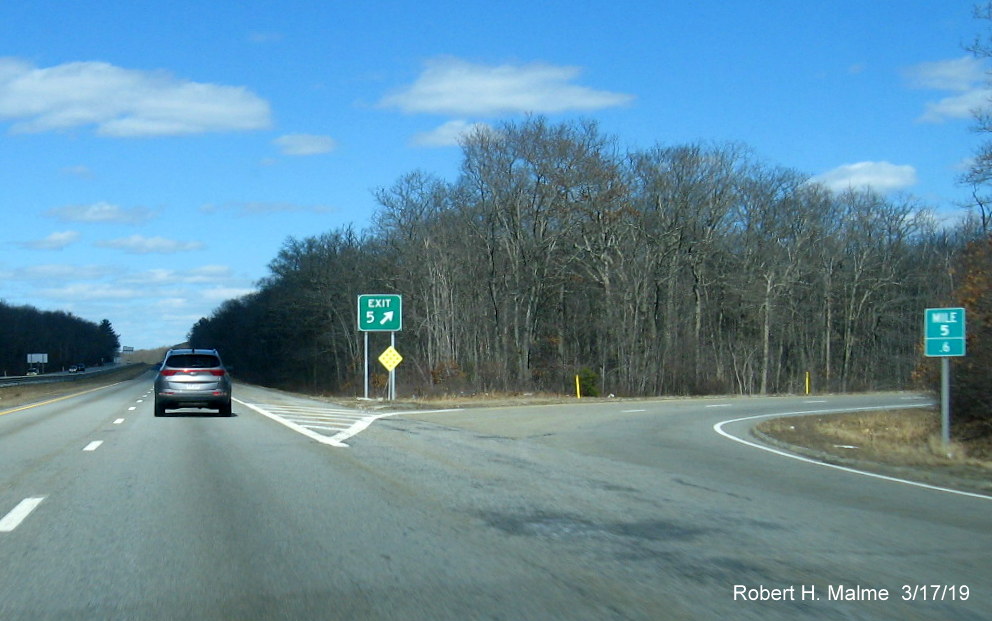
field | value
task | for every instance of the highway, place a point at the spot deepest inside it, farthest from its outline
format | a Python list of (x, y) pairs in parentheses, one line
[(591, 510)]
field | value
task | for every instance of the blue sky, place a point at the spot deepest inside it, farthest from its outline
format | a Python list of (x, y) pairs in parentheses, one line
[(154, 156)]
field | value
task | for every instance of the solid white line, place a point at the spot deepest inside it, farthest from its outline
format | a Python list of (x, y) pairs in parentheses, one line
[(23, 509), (719, 429), (94, 445), (118, 421)]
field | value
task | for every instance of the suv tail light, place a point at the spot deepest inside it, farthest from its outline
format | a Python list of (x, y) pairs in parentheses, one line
[(171, 372)]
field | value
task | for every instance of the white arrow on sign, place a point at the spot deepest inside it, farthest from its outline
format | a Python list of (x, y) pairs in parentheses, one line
[(386, 318)]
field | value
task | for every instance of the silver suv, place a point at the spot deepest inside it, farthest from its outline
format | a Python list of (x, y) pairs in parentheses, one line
[(193, 378)]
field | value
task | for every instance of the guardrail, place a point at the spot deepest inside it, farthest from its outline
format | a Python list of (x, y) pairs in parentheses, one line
[(51, 378)]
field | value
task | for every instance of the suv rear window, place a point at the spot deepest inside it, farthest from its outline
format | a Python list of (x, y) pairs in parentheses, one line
[(193, 361)]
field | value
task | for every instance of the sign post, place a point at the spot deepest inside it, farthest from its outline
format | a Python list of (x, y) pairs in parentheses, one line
[(380, 312), (944, 338), (391, 359)]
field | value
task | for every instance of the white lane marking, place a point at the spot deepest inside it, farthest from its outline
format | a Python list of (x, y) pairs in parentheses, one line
[(308, 419), (631, 411), (364, 423), (19, 513), (118, 421), (297, 428), (94, 445), (140, 401), (132, 408), (815, 401), (720, 405), (323, 428), (719, 429)]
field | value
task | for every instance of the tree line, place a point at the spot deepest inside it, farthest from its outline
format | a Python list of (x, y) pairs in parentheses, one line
[(66, 339), (687, 269)]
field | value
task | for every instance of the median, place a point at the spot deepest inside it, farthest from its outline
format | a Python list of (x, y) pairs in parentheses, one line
[(17, 395)]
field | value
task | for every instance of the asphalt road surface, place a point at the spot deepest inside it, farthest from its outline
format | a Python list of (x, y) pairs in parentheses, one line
[(626, 510)]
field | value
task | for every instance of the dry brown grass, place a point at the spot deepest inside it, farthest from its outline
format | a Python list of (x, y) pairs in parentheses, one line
[(894, 438), (474, 400)]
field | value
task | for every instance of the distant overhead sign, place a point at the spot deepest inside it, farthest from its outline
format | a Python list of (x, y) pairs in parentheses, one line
[(382, 312)]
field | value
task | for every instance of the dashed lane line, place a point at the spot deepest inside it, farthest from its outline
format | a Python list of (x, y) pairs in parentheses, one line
[(19, 513)]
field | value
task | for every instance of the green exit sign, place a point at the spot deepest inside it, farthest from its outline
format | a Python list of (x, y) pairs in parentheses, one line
[(944, 332), (380, 312)]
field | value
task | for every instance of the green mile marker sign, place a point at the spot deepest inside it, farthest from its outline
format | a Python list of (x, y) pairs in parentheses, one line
[(944, 332)]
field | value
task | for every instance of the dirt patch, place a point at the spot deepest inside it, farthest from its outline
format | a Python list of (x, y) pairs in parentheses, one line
[(902, 443), (26, 394)]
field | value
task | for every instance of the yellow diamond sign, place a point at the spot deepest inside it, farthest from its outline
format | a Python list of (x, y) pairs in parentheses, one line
[(390, 358)]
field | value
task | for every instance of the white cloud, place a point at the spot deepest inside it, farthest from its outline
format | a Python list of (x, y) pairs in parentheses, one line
[(206, 274), (304, 144), (965, 76), (447, 135), (139, 244), (175, 297), (961, 106), (261, 37), (122, 102), (882, 177), (80, 171), (221, 294), (61, 272), (454, 86), (958, 74), (55, 241), (256, 208), (102, 212), (90, 291)]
